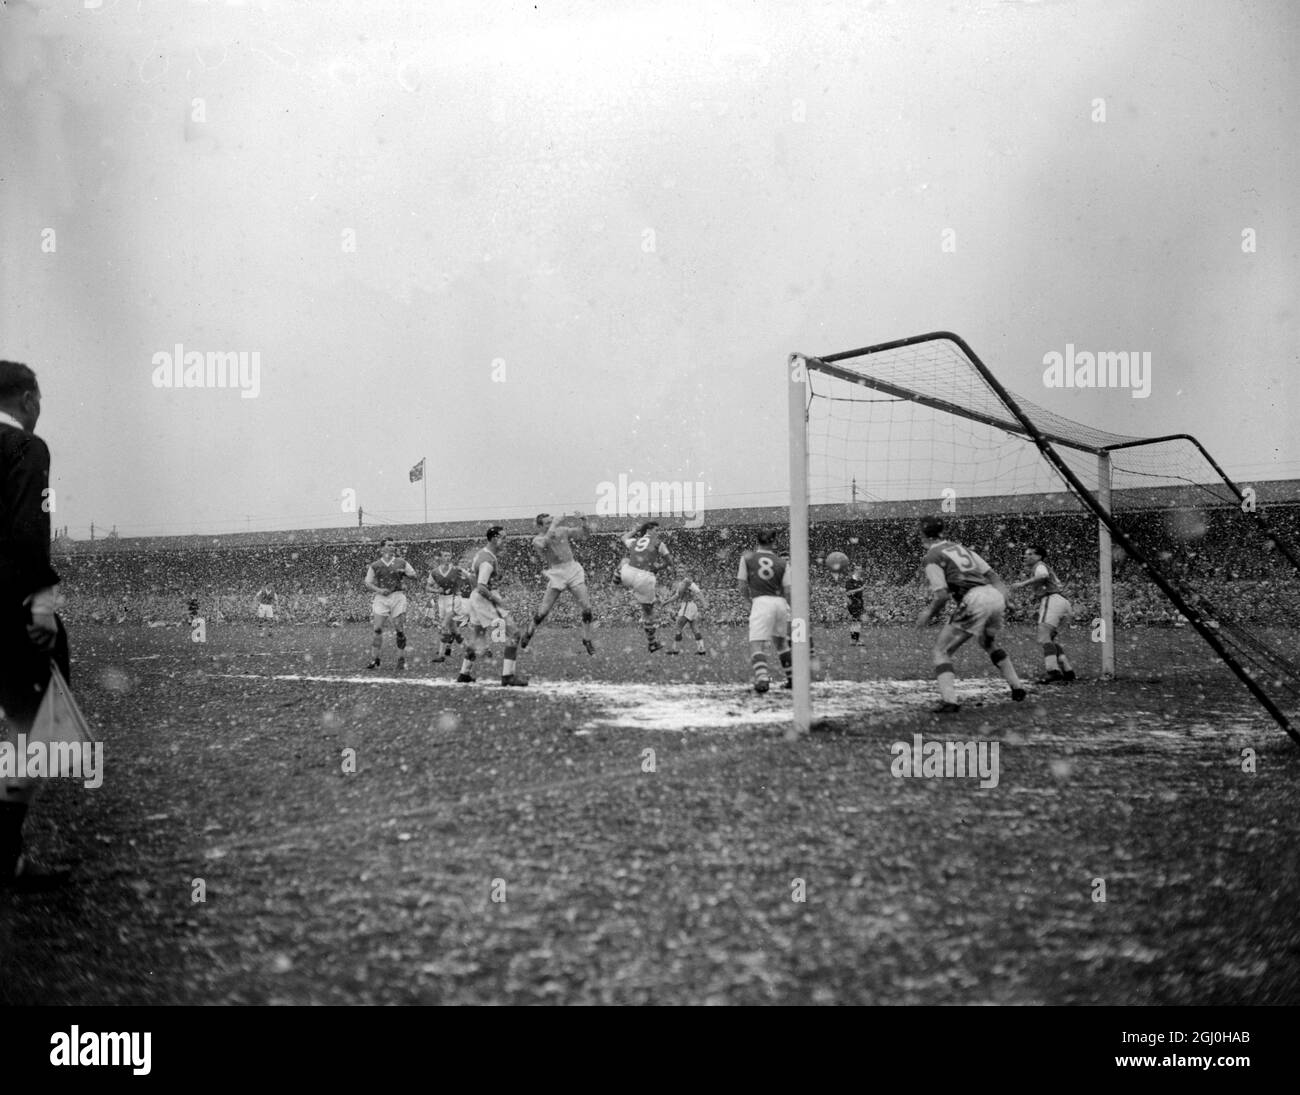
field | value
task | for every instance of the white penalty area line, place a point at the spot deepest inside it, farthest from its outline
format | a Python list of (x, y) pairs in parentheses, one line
[(675, 706)]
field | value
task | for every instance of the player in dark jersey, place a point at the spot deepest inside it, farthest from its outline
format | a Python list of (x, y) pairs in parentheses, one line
[(1053, 614), (957, 574), (445, 583), (385, 577), (487, 613), (764, 579), (646, 554), (266, 601), (854, 588)]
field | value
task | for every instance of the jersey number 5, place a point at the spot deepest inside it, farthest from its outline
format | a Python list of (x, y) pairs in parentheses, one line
[(961, 557)]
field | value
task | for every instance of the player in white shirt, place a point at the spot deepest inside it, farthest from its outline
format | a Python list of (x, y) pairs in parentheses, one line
[(690, 601), (554, 547)]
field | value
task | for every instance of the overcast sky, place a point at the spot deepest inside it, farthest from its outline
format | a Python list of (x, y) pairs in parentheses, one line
[(545, 244)]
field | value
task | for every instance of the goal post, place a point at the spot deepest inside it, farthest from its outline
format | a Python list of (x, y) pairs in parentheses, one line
[(1105, 573), (924, 425), (800, 596)]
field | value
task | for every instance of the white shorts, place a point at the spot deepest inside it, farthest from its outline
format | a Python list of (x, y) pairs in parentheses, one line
[(565, 576), (444, 605), (640, 582), (389, 604), (1053, 610), (482, 612), (769, 618), (980, 612), (266, 612), (689, 611)]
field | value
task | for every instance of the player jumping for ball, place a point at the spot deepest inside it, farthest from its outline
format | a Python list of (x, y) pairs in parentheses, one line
[(554, 547), (487, 613), (646, 553), (764, 579), (384, 577), (1053, 614), (444, 584), (956, 573), (690, 601)]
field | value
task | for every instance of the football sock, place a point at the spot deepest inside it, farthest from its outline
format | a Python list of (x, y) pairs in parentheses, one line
[(699, 645), (467, 666), (1005, 667), (854, 633), (1066, 667), (1049, 656), (787, 659), (947, 682), (401, 640), (758, 663), (508, 660)]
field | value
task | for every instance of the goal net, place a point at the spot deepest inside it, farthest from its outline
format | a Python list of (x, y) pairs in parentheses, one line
[(1145, 531)]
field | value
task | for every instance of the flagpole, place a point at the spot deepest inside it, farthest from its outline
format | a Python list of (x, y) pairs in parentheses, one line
[(424, 478)]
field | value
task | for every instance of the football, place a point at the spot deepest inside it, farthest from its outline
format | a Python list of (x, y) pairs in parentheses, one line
[(837, 561)]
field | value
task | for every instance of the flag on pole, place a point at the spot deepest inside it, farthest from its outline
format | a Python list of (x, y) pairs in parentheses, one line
[(417, 472), (59, 718)]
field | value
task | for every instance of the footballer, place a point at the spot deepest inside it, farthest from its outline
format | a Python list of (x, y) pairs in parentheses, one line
[(1053, 614), (957, 574), (646, 554), (554, 548), (384, 578), (487, 613), (763, 578)]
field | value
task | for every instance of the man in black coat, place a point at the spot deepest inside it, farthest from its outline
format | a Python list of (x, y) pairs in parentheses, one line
[(31, 633)]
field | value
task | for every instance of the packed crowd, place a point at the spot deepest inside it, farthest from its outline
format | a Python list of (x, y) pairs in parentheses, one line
[(322, 583)]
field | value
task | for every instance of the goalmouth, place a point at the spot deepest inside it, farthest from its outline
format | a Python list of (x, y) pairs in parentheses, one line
[(923, 419)]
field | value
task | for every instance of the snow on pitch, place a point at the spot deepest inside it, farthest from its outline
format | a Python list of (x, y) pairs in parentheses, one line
[(647, 706)]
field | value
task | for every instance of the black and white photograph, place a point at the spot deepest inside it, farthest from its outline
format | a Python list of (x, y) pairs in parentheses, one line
[(642, 503)]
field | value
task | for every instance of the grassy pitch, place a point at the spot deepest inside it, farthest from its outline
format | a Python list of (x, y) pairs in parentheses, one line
[(640, 829)]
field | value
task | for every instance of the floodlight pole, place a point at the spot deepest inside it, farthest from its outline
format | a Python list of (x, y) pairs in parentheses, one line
[(1104, 584), (800, 619)]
